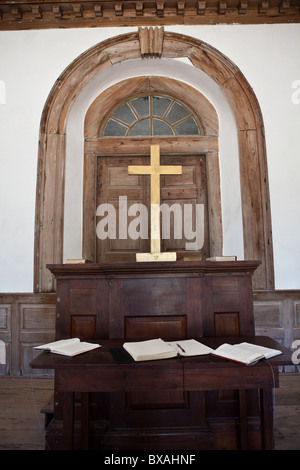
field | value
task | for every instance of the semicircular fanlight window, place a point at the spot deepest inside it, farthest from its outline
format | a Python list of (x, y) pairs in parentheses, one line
[(151, 116)]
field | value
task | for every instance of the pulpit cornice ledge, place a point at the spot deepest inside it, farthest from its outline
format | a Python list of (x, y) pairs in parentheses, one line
[(176, 267)]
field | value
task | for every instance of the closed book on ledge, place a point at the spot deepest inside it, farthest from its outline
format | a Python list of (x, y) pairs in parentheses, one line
[(67, 347)]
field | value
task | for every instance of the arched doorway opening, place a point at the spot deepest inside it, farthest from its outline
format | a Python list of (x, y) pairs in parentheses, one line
[(185, 126)]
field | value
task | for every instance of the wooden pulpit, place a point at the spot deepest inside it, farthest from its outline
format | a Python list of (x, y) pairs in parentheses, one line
[(170, 300)]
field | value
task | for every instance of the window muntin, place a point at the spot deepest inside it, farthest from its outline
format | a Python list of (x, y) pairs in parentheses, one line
[(151, 116)]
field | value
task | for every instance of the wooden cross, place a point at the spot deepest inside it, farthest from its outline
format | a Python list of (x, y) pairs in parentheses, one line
[(155, 170)]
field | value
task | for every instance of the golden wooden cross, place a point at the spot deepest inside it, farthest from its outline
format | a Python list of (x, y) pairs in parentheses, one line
[(155, 170)]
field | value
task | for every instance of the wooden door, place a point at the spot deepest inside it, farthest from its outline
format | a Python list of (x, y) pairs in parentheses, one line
[(184, 198)]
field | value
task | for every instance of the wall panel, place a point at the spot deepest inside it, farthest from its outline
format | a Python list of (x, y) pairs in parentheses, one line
[(26, 320)]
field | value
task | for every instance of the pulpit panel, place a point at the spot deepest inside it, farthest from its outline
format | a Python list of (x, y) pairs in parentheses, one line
[(227, 306), (167, 327), (82, 309), (158, 296)]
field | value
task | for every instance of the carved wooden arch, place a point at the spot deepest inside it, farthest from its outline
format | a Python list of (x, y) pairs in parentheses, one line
[(52, 149)]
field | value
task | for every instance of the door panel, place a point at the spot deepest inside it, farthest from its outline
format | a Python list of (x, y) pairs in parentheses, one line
[(114, 182)]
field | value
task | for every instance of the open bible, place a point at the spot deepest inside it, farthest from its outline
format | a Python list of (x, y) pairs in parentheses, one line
[(153, 349), (67, 347), (246, 353)]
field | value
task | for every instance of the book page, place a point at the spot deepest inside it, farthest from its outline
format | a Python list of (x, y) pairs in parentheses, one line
[(59, 343), (190, 347), (255, 348), (74, 348)]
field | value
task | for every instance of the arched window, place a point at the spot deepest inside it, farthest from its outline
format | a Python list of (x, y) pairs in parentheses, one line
[(151, 116)]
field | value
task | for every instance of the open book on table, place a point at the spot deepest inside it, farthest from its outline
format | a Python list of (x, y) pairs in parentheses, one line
[(246, 353), (67, 347), (154, 349)]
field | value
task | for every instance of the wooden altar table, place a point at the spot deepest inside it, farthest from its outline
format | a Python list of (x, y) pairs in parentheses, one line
[(111, 369)]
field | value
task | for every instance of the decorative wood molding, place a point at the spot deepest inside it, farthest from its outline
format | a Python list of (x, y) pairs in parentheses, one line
[(151, 41), (37, 14)]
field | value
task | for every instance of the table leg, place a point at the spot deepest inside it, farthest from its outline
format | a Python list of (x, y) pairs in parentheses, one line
[(68, 420), (266, 411), (243, 418), (85, 421)]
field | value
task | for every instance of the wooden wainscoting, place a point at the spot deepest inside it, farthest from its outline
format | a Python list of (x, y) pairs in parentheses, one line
[(29, 319), (277, 314), (25, 321)]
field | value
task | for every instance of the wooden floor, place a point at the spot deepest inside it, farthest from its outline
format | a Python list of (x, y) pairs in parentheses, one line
[(21, 423)]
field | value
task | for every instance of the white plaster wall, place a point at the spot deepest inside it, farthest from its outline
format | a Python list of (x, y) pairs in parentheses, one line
[(31, 61)]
